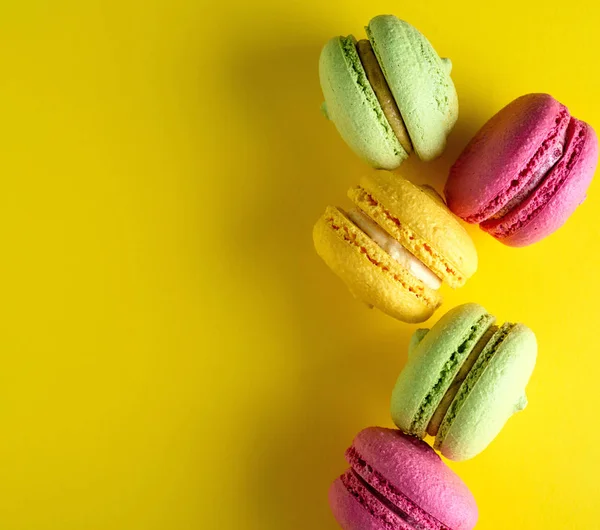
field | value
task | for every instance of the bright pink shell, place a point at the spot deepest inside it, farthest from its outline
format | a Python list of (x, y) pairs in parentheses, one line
[(397, 482), (525, 172)]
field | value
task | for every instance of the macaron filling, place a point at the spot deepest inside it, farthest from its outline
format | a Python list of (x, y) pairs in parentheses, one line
[(340, 225), (465, 369), (536, 178), (551, 182), (382, 500), (451, 368), (416, 267), (532, 175), (353, 62), (369, 77), (410, 239), (482, 362), (383, 92)]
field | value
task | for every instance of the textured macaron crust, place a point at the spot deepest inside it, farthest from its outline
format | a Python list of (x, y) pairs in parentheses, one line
[(396, 482), (351, 104), (419, 221), (417, 78), (476, 404), (427, 377), (525, 172), (493, 391)]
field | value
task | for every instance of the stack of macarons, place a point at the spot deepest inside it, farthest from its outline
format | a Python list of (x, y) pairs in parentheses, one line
[(464, 379), (520, 178)]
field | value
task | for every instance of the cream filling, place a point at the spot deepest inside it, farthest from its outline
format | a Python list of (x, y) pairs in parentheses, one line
[(416, 267), (534, 181)]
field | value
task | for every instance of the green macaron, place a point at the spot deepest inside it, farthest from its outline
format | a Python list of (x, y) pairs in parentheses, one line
[(463, 380), (390, 94)]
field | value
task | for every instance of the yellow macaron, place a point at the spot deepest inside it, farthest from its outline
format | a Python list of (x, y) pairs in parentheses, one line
[(396, 246)]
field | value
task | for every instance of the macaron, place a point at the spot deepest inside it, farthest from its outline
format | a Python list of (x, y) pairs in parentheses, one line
[(396, 482), (463, 380), (388, 94), (396, 245), (525, 172)]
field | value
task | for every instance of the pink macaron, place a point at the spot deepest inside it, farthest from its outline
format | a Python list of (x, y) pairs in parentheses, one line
[(525, 172), (396, 482)]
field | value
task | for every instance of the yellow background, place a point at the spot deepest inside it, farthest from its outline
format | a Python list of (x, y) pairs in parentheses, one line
[(174, 354)]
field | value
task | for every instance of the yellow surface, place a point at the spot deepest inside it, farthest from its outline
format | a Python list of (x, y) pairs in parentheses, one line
[(175, 355)]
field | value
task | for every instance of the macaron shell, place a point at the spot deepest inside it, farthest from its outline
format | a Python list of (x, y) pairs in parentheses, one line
[(497, 395), (416, 339), (351, 104), (419, 80), (427, 361), (351, 254), (416, 471), (499, 151), (423, 224), (540, 216)]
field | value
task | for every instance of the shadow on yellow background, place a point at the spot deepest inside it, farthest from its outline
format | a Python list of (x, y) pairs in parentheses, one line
[(294, 448), (346, 357)]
